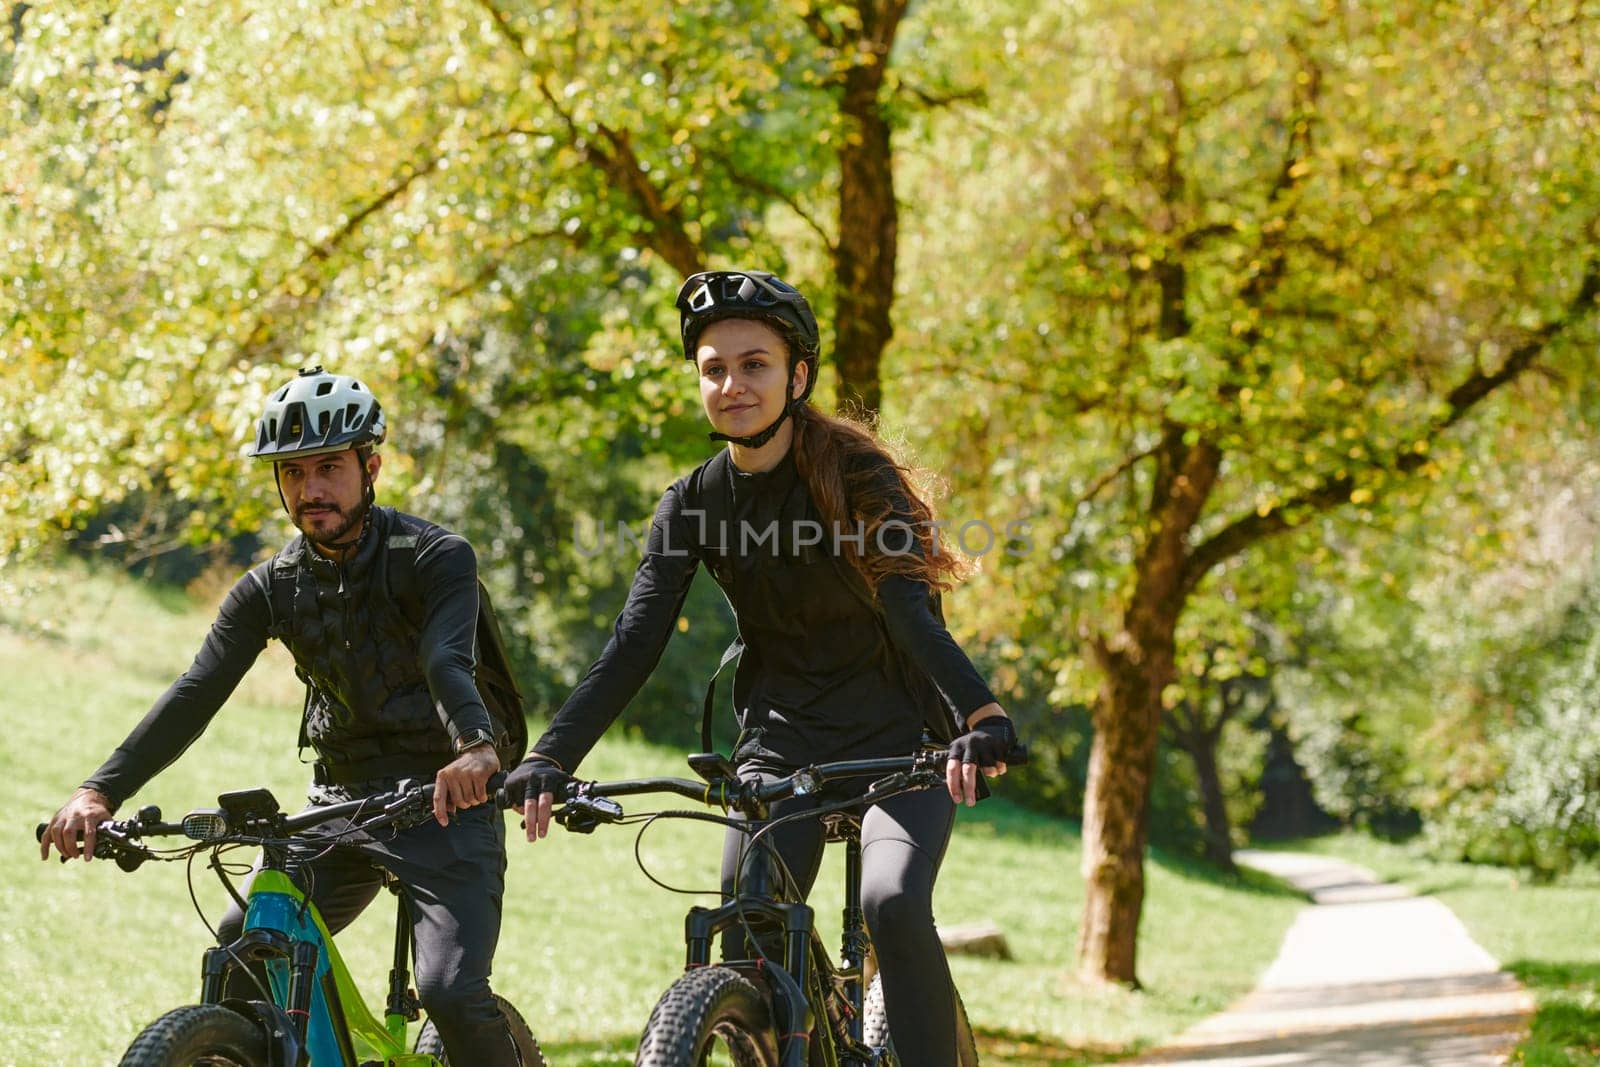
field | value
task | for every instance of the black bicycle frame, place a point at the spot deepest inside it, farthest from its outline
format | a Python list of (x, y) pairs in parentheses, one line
[(807, 978)]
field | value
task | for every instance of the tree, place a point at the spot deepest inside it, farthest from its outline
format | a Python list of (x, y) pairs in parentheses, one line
[(1268, 265), (1225, 694)]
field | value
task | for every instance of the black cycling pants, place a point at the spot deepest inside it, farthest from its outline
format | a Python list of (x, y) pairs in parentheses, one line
[(902, 844), (453, 878)]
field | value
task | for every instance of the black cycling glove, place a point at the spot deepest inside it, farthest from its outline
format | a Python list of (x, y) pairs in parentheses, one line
[(987, 743), (533, 776)]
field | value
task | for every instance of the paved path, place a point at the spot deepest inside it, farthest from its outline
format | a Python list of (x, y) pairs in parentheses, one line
[(1369, 975)]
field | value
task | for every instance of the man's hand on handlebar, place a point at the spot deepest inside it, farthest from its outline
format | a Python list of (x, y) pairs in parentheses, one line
[(463, 783), (81, 815), (985, 745), (533, 786)]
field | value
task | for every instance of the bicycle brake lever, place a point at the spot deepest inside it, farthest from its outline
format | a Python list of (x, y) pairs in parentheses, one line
[(582, 814)]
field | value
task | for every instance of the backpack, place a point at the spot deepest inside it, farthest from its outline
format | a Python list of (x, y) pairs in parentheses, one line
[(495, 682)]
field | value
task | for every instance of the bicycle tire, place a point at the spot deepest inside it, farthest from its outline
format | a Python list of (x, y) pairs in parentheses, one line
[(705, 1006), (875, 1028), (429, 1043), (198, 1035)]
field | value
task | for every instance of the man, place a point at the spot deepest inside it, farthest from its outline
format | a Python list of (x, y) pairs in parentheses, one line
[(387, 698)]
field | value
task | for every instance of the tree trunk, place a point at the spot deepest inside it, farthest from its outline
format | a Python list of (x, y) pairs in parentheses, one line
[(1138, 663), (869, 218), (1116, 813), (1219, 833)]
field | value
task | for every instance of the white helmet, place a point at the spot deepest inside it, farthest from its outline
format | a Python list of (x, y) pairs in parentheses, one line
[(318, 412)]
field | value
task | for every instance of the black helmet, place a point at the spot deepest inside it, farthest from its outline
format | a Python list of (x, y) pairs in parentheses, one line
[(713, 295), (318, 412)]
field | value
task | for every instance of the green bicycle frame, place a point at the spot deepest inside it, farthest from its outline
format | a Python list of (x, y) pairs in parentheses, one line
[(309, 980)]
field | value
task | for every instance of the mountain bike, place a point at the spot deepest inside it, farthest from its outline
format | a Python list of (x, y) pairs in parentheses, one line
[(309, 1010), (800, 1010)]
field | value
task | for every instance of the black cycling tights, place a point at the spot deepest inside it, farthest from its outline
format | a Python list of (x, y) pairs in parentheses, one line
[(902, 844)]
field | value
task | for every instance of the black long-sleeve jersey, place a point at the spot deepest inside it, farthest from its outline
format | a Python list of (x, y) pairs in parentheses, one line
[(827, 672)]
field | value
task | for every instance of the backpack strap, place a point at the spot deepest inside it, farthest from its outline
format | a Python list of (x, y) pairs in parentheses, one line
[(279, 576), (400, 571), (734, 650), (711, 493)]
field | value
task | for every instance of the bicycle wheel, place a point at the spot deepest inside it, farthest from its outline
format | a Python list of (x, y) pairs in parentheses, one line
[(875, 1027), (709, 1016), (199, 1034), (430, 1043)]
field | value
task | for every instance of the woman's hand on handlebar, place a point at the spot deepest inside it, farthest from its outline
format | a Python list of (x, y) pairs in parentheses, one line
[(986, 743), (533, 786), (81, 815)]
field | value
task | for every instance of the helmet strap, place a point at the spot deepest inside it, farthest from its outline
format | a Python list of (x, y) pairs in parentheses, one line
[(369, 497), (756, 440)]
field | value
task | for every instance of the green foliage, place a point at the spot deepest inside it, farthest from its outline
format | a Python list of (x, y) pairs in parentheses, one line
[(1543, 811)]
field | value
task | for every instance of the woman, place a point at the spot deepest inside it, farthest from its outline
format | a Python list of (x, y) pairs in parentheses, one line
[(829, 560)]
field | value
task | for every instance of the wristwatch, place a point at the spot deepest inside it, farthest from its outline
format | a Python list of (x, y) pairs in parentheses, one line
[(472, 739)]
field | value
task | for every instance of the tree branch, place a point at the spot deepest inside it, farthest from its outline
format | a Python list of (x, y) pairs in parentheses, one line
[(931, 100), (1247, 530), (819, 27), (396, 188), (260, 330), (502, 23), (766, 188), (497, 260), (1105, 478)]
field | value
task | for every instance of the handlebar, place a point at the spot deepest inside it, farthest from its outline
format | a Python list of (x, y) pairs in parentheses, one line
[(587, 803), (122, 840)]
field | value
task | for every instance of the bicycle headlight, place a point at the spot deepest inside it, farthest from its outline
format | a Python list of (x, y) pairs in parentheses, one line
[(206, 824)]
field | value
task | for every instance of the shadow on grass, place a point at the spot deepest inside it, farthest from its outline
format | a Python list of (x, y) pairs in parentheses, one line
[(999, 1047), (1244, 879), (1004, 1048), (612, 1052), (1025, 826), (1566, 1024)]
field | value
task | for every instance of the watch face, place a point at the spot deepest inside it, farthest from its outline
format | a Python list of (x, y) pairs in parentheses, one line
[(473, 738)]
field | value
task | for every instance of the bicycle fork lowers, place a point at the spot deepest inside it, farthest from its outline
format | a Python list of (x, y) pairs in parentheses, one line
[(285, 936), (805, 969)]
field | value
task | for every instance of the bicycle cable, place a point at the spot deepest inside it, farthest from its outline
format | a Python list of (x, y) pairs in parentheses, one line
[(866, 800), (217, 865)]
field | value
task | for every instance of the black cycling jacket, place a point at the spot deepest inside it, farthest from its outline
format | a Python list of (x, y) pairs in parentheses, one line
[(440, 664), (825, 674)]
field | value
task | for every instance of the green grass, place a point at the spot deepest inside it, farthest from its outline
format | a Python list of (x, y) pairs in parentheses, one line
[(1547, 935), (91, 954)]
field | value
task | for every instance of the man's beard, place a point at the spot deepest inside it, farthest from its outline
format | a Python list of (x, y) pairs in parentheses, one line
[(347, 521)]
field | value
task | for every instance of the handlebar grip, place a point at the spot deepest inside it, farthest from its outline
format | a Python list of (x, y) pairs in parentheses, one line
[(40, 830)]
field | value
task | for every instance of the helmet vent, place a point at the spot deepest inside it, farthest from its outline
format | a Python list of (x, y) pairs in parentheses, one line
[(352, 415), (322, 422), (293, 428), (325, 387)]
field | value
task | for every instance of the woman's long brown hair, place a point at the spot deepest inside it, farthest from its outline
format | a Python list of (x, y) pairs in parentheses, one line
[(834, 457)]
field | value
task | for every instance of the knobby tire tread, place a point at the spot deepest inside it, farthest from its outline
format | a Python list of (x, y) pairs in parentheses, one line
[(430, 1043), (704, 1004), (198, 1034), (875, 1027)]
